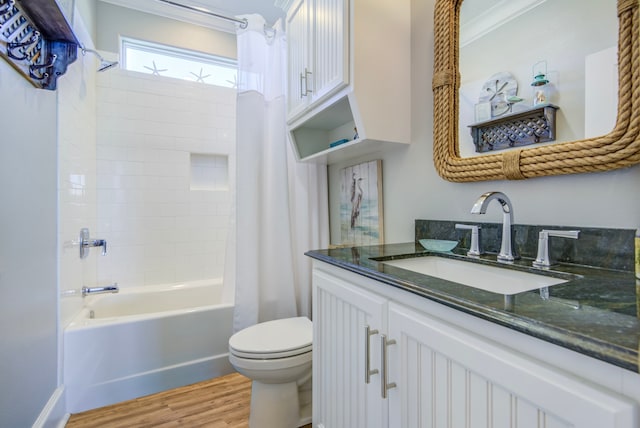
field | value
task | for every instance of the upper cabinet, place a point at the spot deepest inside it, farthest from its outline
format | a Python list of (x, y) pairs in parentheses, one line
[(318, 66), (348, 77)]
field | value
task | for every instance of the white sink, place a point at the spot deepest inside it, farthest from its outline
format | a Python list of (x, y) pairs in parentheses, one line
[(489, 278)]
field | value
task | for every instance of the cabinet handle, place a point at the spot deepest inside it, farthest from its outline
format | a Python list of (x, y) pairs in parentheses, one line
[(302, 92), (367, 352), (386, 385), (307, 91)]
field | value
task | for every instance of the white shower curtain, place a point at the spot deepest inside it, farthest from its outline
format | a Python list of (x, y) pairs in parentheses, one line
[(281, 205)]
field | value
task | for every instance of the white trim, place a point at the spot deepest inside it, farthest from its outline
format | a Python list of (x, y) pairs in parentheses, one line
[(53, 414), (493, 17)]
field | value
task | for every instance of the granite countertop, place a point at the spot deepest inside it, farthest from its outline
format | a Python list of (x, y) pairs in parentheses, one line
[(594, 313)]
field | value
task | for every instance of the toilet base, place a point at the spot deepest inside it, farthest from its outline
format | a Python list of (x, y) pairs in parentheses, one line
[(277, 406)]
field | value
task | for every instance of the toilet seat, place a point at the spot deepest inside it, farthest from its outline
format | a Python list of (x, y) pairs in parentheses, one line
[(273, 339)]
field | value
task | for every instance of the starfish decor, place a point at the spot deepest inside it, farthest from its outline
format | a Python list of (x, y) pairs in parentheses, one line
[(200, 77), (155, 71)]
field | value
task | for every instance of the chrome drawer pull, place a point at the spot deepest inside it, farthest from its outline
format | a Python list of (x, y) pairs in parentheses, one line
[(386, 385), (367, 352)]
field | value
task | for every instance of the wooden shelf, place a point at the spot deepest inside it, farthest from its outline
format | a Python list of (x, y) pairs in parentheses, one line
[(535, 125), (39, 41)]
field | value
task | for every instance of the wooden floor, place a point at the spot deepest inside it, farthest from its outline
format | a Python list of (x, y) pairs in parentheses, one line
[(218, 403)]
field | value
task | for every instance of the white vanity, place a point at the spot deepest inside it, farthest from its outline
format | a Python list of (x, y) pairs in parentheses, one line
[(387, 357)]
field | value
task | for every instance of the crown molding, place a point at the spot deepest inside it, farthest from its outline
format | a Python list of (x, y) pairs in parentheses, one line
[(499, 13)]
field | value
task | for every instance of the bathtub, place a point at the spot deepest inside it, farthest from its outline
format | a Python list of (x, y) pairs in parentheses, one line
[(144, 340)]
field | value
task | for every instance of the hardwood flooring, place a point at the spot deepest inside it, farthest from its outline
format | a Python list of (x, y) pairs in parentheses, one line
[(217, 403)]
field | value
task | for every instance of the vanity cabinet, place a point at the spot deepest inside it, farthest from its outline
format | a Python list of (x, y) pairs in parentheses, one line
[(439, 373), (348, 77), (341, 395)]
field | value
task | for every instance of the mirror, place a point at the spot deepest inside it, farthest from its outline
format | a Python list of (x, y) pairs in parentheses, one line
[(617, 149), (504, 44)]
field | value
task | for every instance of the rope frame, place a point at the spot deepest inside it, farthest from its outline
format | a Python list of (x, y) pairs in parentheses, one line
[(618, 149)]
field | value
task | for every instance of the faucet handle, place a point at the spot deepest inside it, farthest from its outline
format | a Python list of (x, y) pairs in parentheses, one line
[(542, 259), (474, 248), (86, 242)]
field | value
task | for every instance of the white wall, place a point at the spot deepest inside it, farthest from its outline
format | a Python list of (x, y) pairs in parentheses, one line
[(28, 264), (158, 228), (115, 21), (412, 189)]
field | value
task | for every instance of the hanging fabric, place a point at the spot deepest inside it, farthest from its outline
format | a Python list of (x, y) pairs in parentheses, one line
[(281, 206)]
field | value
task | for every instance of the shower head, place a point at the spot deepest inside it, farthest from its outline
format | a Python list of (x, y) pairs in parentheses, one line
[(104, 64)]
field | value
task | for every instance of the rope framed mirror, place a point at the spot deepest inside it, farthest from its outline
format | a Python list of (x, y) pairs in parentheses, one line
[(618, 149)]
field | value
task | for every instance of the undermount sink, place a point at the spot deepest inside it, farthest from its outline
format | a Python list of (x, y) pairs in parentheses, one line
[(490, 278)]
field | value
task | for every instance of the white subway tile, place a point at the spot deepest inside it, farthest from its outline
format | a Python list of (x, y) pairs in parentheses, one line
[(162, 231)]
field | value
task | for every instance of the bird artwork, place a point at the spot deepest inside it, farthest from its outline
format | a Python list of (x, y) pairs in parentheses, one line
[(361, 204), (356, 198)]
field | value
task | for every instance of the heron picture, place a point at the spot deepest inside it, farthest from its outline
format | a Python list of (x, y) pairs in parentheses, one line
[(361, 219)]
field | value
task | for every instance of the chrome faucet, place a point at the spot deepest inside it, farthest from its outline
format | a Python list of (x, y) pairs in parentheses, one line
[(480, 207), (100, 290)]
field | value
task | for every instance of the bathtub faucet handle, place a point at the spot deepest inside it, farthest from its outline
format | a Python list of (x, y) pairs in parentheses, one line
[(86, 242), (101, 243)]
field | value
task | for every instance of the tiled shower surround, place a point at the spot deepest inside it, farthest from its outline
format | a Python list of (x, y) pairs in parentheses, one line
[(160, 227)]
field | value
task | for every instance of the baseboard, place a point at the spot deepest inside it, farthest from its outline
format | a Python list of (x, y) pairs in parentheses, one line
[(54, 414), (83, 398)]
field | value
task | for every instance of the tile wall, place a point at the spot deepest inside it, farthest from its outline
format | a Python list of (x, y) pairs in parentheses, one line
[(161, 228), (76, 176)]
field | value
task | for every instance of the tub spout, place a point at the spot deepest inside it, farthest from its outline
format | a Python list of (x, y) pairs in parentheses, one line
[(100, 290)]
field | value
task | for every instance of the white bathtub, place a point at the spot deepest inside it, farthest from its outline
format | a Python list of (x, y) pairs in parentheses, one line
[(144, 340)]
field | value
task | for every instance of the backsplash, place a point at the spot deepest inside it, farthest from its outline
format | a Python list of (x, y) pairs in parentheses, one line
[(598, 247)]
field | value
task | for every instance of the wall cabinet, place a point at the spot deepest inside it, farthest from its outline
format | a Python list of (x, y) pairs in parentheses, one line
[(348, 70), (438, 374), (317, 62)]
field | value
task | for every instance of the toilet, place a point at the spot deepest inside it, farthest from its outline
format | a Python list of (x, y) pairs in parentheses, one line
[(276, 356)]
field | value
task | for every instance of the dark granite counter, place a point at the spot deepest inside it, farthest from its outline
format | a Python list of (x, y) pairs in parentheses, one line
[(594, 313)]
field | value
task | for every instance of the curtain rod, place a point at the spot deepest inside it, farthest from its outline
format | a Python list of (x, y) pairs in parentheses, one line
[(243, 22)]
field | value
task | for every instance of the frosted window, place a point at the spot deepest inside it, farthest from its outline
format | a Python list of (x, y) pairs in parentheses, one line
[(168, 61), (209, 172)]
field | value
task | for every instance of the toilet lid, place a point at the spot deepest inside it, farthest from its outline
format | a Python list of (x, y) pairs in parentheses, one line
[(273, 339)]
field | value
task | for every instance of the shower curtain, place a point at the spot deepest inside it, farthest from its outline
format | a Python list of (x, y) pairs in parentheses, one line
[(281, 205)]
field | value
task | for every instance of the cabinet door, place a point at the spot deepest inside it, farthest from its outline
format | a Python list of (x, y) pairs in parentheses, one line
[(331, 47), (341, 313), (448, 377), (298, 48)]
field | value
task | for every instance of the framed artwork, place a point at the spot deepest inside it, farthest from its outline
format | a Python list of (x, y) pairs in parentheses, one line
[(361, 215)]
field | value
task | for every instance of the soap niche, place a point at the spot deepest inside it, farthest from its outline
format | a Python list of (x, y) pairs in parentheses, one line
[(209, 172)]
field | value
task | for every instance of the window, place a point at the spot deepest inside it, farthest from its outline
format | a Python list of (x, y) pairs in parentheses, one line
[(168, 61)]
